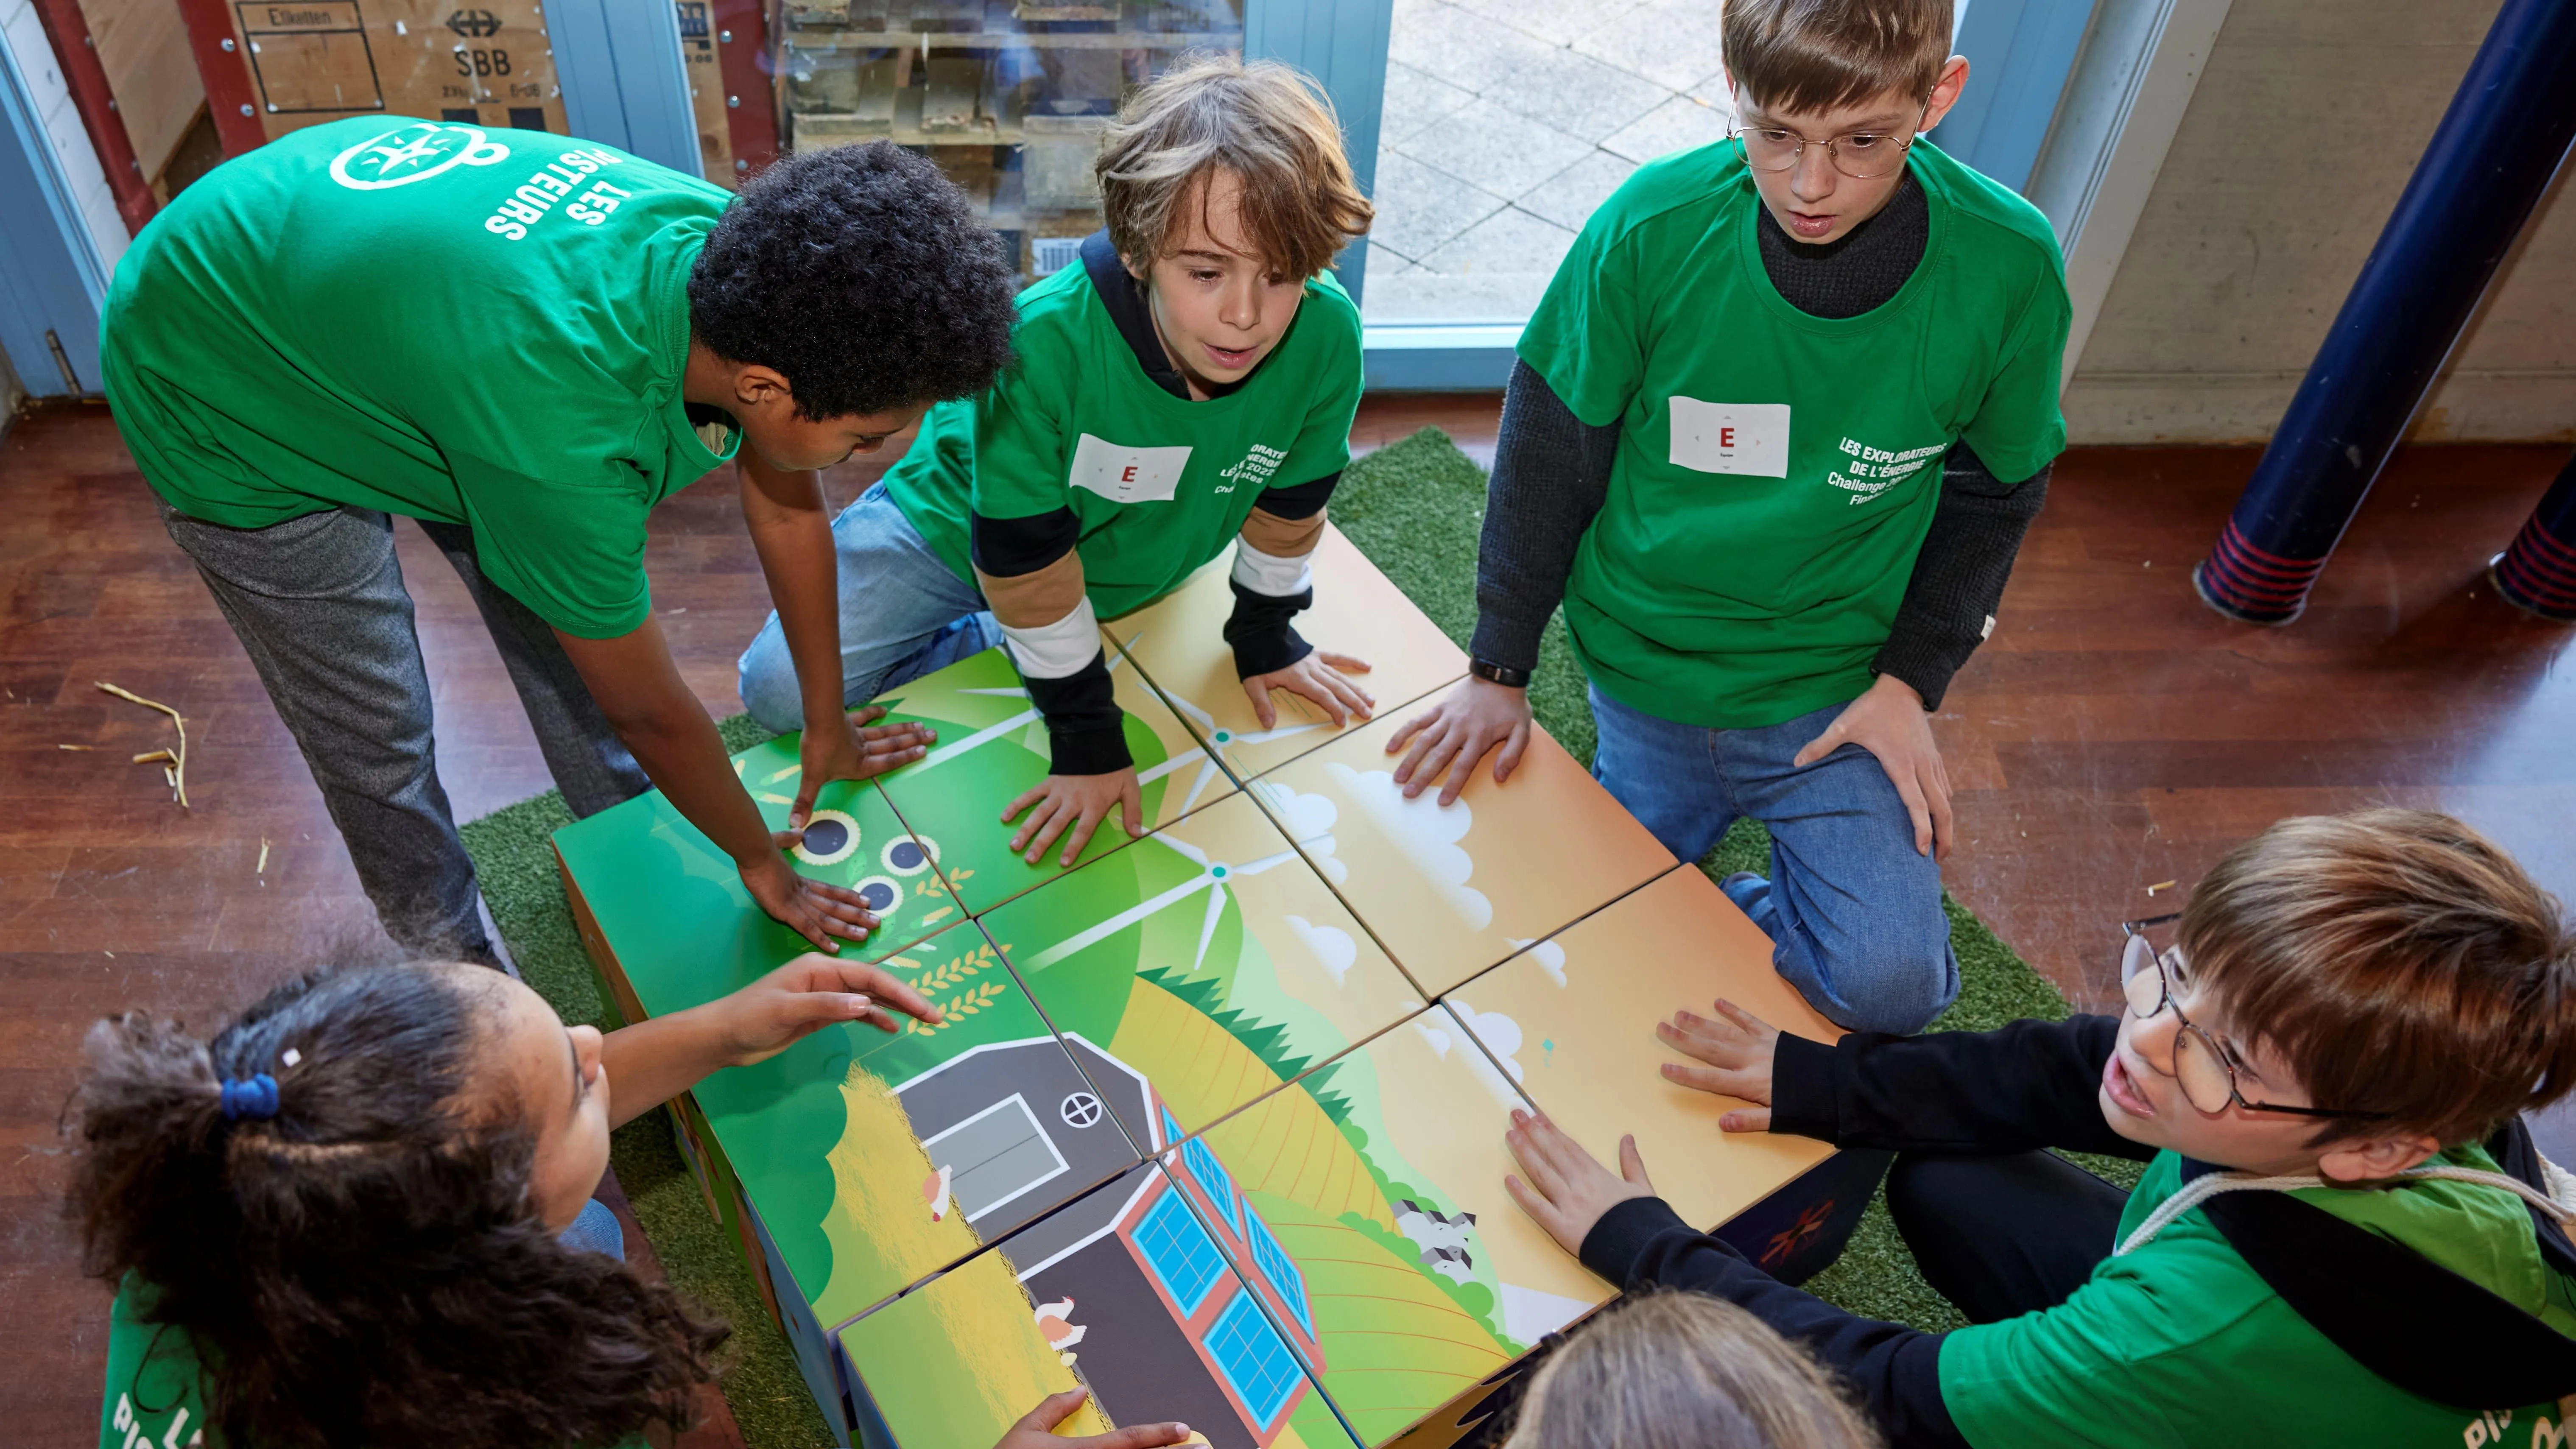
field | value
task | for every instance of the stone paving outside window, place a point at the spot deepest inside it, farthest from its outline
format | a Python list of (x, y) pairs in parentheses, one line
[(1507, 123)]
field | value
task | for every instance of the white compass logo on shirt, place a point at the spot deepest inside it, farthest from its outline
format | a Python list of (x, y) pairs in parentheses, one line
[(412, 153)]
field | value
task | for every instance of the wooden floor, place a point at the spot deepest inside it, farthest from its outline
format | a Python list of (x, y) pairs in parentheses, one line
[(2113, 735)]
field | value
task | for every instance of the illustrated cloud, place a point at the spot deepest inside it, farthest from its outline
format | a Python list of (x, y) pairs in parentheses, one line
[(1332, 946), (1427, 833), (1309, 820)]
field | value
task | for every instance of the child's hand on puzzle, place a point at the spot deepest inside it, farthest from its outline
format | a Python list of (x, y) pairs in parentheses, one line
[(861, 749), (1036, 1429), (1569, 1191), (804, 996), (1319, 677), (1073, 806), (1737, 1047), (1454, 734)]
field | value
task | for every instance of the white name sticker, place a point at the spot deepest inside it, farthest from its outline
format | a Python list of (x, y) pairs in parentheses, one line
[(1129, 475), (1748, 438)]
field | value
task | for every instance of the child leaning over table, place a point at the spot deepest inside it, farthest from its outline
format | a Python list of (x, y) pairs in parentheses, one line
[(1191, 382), (361, 1214), (2343, 1237), (1775, 434)]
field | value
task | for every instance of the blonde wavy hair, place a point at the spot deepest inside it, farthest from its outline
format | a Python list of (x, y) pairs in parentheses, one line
[(1683, 1371)]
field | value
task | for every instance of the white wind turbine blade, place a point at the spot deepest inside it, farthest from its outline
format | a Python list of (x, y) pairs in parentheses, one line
[(1120, 922), (1183, 849), (1207, 927), (1015, 692), (1199, 786), (986, 735), (1168, 766), (1264, 863)]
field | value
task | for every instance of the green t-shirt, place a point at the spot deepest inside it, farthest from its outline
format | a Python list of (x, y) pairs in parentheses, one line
[(1158, 485), (1776, 472), (154, 1395), (2180, 1344), (483, 328)]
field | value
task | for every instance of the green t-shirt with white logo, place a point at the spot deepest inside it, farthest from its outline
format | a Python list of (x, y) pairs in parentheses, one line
[(2178, 1344), (1157, 484), (1776, 471), (474, 327)]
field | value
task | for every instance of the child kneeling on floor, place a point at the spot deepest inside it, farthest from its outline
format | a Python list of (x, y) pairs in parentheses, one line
[(1189, 381), (2343, 1236), (361, 1213)]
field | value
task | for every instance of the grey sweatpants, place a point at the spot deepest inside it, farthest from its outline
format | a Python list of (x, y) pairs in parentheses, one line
[(319, 604)]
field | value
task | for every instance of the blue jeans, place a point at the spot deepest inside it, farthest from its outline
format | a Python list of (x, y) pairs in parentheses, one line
[(1853, 913), (903, 615), (596, 1231)]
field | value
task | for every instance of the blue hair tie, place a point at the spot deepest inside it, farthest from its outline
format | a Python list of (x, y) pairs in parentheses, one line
[(255, 1098)]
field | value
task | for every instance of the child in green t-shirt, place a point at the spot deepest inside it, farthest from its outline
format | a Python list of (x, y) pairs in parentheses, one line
[(1773, 438), (526, 344), (1191, 383), (2344, 1235), (351, 1217)]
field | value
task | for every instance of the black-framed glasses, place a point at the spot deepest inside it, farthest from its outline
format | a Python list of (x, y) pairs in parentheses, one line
[(2202, 1066), (1862, 155)]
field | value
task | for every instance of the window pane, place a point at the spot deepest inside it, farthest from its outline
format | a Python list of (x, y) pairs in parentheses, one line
[(1254, 1359), (1275, 1265), (1506, 125), (995, 1156), (1179, 1251), (1213, 1180), (1008, 96)]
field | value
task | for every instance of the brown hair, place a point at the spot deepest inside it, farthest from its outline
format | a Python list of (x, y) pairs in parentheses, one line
[(1683, 1371), (2400, 962), (1814, 55), (363, 1265), (1264, 122)]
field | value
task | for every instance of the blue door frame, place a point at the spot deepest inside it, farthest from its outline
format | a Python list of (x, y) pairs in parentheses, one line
[(50, 277)]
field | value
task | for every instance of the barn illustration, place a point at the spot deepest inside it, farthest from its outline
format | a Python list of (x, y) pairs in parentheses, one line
[(1132, 1281)]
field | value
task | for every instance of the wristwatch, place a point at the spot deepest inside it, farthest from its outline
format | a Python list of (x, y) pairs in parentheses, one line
[(1497, 674)]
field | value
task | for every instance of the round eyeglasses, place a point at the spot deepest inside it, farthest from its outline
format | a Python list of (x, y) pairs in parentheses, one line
[(2202, 1066), (1862, 155)]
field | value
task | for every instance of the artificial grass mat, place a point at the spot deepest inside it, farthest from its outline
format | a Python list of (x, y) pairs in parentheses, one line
[(1415, 508)]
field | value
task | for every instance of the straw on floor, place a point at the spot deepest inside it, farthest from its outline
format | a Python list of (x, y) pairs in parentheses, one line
[(1415, 508)]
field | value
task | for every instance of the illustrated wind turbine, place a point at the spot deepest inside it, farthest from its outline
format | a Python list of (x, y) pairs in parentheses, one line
[(1211, 878), (1221, 738)]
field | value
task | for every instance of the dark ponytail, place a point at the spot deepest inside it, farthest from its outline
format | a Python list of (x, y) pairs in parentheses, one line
[(364, 1266)]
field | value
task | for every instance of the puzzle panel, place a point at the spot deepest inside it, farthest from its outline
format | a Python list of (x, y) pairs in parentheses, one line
[(1179, 643), (1372, 1190), (993, 747), (674, 921), (1124, 1291), (1450, 890), (1209, 959), (874, 1159), (1577, 1014)]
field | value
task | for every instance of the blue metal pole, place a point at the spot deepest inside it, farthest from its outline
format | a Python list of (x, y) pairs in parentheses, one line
[(2489, 163), (2538, 572)]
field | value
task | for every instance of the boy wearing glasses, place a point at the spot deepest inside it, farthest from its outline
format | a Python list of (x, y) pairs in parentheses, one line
[(1773, 439), (2343, 1235)]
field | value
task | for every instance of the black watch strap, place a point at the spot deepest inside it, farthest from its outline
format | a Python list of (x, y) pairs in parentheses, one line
[(1498, 674)]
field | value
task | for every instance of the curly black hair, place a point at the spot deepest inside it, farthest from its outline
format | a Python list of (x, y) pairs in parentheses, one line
[(861, 274), (365, 1267)]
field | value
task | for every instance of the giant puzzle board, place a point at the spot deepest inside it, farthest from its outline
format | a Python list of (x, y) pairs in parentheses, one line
[(1215, 1124)]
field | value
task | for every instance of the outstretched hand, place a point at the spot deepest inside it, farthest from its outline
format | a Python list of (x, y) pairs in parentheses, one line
[(1074, 806), (804, 996), (822, 913), (859, 749), (1321, 678), (1455, 733), (1736, 1047), (1036, 1429), (1889, 721), (1569, 1191)]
